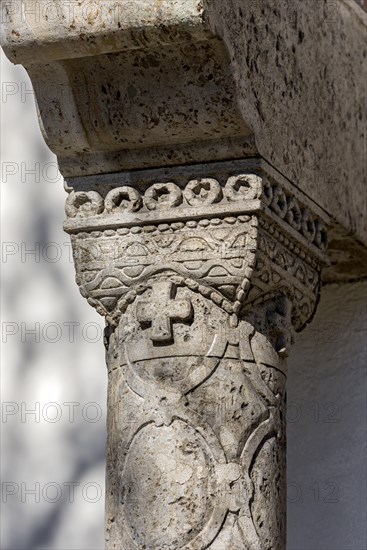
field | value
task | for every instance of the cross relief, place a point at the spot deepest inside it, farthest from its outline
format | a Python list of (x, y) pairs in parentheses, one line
[(162, 311)]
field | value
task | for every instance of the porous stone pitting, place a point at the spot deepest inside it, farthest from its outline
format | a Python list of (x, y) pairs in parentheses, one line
[(125, 85), (206, 267)]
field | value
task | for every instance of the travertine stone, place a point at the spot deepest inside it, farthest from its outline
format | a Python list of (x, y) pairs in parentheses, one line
[(203, 273), (131, 84), (301, 79), (205, 267)]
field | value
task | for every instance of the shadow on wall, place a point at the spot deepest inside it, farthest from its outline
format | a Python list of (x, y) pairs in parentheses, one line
[(53, 370), (327, 425)]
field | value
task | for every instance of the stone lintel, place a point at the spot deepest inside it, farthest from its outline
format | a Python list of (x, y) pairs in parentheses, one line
[(60, 29), (301, 79)]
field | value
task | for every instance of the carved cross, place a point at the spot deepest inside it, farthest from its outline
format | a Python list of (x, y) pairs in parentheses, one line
[(163, 310)]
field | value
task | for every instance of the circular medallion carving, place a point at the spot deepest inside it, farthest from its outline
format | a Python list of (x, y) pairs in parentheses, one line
[(83, 204), (279, 203), (165, 489), (294, 214), (161, 196), (203, 191), (308, 227), (123, 199), (243, 187)]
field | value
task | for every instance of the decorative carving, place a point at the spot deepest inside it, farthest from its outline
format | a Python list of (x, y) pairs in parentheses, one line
[(294, 214), (123, 199), (203, 191), (203, 283), (206, 434), (162, 311), (279, 203), (243, 186), (161, 196), (84, 204)]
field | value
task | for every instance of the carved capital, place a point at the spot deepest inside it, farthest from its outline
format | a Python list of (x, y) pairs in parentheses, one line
[(236, 233)]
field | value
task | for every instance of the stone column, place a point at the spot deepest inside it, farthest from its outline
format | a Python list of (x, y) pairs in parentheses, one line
[(203, 273)]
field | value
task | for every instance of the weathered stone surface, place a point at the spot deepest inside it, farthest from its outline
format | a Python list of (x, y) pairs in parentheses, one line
[(205, 267), (301, 73), (362, 3), (130, 90), (64, 30), (168, 229), (125, 85), (203, 273)]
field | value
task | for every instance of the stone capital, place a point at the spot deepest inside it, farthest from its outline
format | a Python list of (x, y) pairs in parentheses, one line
[(235, 232)]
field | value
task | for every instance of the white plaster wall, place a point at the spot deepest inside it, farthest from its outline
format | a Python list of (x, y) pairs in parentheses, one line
[(327, 366), (327, 425), (43, 452)]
